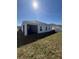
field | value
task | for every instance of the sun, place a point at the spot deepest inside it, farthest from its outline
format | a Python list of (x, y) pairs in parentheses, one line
[(34, 3)]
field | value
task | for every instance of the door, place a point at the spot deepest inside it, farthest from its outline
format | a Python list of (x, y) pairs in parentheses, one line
[(32, 29)]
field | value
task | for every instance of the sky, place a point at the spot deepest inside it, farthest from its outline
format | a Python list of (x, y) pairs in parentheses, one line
[(47, 11)]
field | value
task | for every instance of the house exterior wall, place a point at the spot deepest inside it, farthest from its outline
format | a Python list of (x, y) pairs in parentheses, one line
[(25, 28), (43, 25), (49, 28)]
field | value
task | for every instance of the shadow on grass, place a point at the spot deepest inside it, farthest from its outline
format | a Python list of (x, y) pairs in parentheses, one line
[(22, 40)]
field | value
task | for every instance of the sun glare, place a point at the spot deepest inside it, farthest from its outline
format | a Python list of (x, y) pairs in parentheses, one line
[(35, 5)]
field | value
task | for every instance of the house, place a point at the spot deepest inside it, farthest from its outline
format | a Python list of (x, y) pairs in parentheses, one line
[(33, 27), (57, 28)]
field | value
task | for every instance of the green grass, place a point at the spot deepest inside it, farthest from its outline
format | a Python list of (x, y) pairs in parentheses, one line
[(46, 48)]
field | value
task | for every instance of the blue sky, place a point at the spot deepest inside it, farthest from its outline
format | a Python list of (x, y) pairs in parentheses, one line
[(48, 11)]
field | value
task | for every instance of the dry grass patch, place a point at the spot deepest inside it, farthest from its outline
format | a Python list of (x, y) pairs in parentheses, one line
[(45, 48)]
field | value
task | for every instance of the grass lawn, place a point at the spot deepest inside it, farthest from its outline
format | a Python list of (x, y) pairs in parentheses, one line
[(49, 47)]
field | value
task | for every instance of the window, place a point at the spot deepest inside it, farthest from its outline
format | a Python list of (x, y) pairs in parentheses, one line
[(49, 27), (40, 28), (46, 27)]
